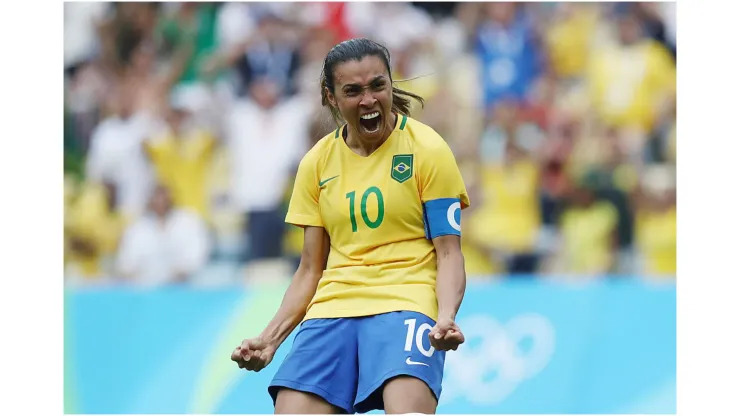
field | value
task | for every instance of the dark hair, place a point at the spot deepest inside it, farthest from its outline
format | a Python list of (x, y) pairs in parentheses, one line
[(356, 49)]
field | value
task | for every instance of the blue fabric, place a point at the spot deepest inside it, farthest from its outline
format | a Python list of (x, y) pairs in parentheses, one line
[(347, 360), (510, 60), (442, 217)]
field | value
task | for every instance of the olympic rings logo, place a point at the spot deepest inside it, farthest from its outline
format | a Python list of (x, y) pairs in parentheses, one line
[(496, 358)]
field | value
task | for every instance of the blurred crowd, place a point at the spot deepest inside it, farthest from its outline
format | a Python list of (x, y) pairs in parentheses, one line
[(185, 122)]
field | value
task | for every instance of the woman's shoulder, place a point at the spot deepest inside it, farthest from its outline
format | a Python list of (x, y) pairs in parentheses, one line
[(424, 137), (320, 150), (421, 131)]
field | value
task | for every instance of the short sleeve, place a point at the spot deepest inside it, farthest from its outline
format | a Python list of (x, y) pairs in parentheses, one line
[(439, 175), (303, 209)]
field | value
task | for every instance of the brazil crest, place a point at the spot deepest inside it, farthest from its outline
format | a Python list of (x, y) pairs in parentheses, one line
[(402, 167)]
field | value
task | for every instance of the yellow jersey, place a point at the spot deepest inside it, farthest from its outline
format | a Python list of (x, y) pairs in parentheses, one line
[(587, 237), (628, 84), (89, 219), (510, 216), (656, 240), (377, 211), (183, 166), (569, 41)]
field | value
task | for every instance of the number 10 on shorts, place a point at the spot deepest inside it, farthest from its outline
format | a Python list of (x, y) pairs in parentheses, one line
[(411, 330)]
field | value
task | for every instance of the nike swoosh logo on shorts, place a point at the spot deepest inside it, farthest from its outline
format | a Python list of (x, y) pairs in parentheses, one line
[(409, 362)]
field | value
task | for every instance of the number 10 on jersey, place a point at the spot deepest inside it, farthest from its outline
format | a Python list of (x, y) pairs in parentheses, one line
[(363, 208)]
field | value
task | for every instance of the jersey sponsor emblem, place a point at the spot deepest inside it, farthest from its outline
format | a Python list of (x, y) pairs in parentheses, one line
[(402, 168), (322, 183)]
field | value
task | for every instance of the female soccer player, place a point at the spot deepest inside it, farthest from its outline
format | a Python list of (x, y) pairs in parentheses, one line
[(381, 275)]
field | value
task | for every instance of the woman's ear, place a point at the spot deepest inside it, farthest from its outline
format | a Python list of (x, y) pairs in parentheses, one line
[(330, 97)]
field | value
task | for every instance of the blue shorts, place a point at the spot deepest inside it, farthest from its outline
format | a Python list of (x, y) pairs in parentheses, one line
[(347, 360)]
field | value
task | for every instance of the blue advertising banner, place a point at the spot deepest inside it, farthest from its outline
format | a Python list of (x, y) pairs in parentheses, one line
[(532, 347)]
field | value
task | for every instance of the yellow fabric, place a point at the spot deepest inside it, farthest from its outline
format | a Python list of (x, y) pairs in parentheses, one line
[(628, 84), (89, 219), (386, 264), (477, 261), (587, 237), (509, 217), (293, 240), (656, 240), (568, 42), (183, 166), (671, 148)]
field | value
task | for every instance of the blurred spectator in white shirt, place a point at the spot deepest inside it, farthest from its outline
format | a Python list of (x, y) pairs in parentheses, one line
[(166, 245), (116, 153), (80, 30), (235, 24), (395, 25), (266, 137)]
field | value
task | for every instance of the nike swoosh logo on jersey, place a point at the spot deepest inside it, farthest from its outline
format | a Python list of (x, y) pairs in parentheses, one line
[(322, 183), (409, 362)]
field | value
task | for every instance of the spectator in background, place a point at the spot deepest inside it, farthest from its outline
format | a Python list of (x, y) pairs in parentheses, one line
[(313, 50), (92, 229), (652, 15), (656, 222), (266, 134), (619, 179), (508, 51), (116, 153), (235, 24), (272, 52), (80, 31), (191, 27), (396, 25), (165, 245), (189, 41), (147, 87), (127, 26), (632, 83), (554, 156), (588, 230), (181, 156), (569, 39), (508, 220)]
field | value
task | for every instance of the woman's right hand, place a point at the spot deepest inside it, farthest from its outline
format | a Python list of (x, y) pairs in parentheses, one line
[(253, 354)]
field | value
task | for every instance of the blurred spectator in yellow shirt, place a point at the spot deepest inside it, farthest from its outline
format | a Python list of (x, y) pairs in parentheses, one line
[(656, 222), (508, 221), (182, 156), (631, 82), (478, 260), (588, 233), (92, 230), (569, 38)]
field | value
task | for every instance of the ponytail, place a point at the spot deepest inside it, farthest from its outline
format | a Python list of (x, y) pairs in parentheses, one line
[(402, 101)]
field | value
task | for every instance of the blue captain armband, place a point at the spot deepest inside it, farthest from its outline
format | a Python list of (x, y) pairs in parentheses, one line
[(442, 217)]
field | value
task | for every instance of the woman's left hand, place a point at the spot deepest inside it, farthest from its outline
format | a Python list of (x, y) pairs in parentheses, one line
[(446, 335)]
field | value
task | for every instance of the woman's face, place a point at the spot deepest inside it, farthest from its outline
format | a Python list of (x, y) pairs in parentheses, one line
[(363, 93)]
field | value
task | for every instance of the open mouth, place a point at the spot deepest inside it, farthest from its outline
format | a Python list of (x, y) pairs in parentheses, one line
[(371, 122)]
